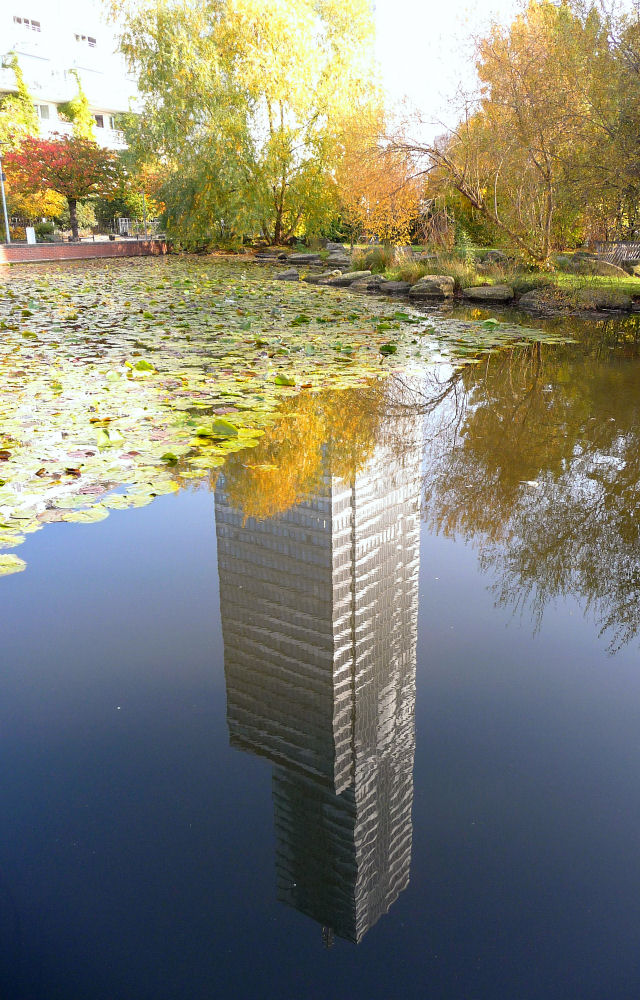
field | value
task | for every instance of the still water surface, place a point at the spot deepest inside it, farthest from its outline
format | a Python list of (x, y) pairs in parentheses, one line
[(372, 730)]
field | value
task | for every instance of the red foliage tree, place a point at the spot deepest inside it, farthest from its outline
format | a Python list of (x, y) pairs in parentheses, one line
[(74, 167)]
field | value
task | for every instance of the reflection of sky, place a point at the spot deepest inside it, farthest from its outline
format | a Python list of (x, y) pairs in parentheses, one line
[(138, 848)]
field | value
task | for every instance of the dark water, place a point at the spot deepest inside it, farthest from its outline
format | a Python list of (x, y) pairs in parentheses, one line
[(383, 741)]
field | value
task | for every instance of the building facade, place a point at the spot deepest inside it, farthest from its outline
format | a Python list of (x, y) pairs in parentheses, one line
[(319, 616), (55, 39)]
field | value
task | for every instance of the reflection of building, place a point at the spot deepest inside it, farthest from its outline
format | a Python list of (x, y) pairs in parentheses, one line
[(319, 609)]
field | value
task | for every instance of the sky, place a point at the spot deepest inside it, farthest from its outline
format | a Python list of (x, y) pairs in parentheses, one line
[(424, 49)]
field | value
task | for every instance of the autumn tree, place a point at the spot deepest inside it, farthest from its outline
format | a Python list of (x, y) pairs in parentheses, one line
[(71, 166), (536, 149), (379, 195), (243, 101)]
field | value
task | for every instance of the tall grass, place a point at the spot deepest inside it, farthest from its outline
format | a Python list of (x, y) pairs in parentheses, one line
[(377, 260)]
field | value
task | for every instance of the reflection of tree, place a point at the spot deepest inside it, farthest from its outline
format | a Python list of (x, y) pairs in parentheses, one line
[(341, 426), (543, 473)]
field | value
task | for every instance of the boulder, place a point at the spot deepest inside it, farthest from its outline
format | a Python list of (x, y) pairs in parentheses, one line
[(338, 260), (368, 284), (591, 266), (433, 286), (495, 257), (394, 287), (602, 298), (343, 280), (632, 266), (534, 301), (489, 293), (321, 278), (304, 258), (290, 275), (335, 246)]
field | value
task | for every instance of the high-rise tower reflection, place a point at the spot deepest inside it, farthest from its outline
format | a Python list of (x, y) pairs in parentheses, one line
[(319, 616)]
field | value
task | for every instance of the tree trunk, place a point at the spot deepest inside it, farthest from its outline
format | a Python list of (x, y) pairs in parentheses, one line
[(72, 202)]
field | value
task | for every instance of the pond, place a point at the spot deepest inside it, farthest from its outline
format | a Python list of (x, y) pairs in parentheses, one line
[(338, 697)]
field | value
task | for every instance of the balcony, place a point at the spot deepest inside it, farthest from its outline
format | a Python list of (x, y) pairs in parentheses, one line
[(108, 138)]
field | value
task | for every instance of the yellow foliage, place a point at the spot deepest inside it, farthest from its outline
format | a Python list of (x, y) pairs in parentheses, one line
[(331, 433), (42, 205), (380, 196)]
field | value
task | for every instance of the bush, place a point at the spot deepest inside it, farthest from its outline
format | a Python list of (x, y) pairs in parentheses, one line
[(44, 229), (377, 260)]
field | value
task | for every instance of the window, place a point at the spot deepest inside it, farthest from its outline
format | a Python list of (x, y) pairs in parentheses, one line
[(42, 111), (91, 42), (99, 120), (27, 23), (111, 122)]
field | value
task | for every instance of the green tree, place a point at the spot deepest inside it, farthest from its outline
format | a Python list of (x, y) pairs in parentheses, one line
[(77, 111), (244, 101), (18, 115)]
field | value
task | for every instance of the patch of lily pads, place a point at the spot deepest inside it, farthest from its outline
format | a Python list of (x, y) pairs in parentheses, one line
[(122, 381)]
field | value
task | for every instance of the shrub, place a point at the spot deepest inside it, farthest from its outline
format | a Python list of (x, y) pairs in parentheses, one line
[(377, 260), (44, 229)]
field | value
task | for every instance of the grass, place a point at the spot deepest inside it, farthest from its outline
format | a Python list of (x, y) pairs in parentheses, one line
[(568, 290)]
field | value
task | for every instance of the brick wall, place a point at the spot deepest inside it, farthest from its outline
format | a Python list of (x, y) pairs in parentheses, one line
[(81, 251)]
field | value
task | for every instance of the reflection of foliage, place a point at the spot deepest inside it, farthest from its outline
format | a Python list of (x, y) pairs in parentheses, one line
[(338, 429), (543, 474)]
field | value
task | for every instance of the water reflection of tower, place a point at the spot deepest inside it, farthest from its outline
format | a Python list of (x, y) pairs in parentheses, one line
[(319, 610)]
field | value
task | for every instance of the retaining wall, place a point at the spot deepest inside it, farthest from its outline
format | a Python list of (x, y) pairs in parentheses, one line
[(81, 251)]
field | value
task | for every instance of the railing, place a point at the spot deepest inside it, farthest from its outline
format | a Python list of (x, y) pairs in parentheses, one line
[(619, 251)]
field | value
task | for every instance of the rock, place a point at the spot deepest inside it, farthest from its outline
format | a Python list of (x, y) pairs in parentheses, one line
[(602, 298), (433, 286), (369, 284), (632, 266), (304, 258), (290, 275), (347, 279), (335, 246), (495, 257), (592, 266), (489, 293), (394, 288), (339, 260), (534, 301), (321, 278)]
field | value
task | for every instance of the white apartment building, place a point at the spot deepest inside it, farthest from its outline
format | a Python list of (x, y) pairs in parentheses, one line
[(52, 38)]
